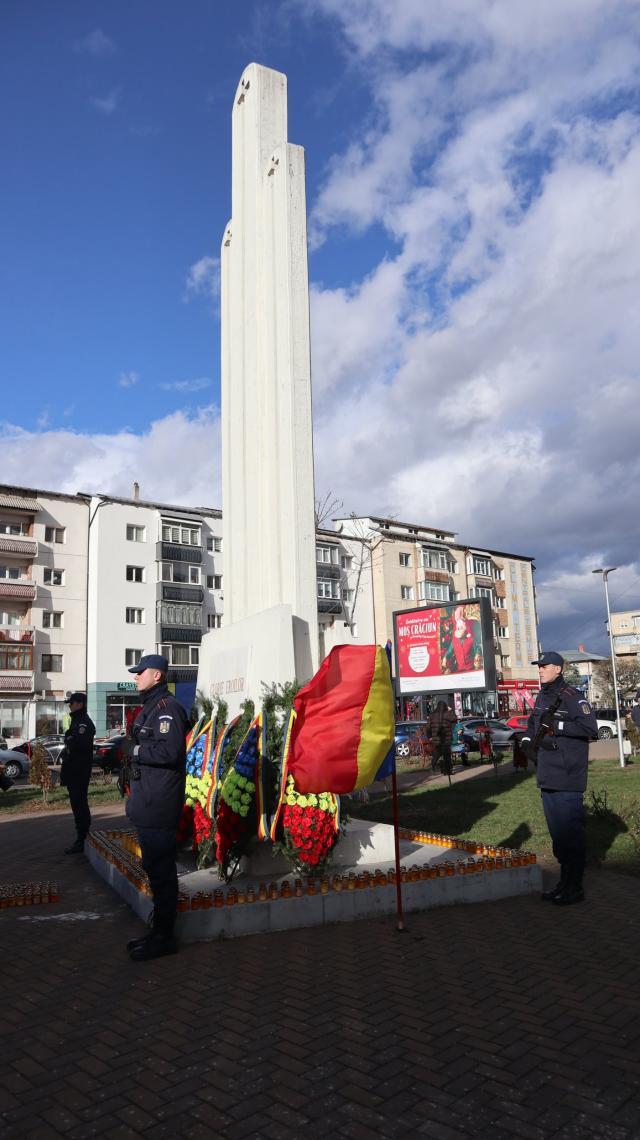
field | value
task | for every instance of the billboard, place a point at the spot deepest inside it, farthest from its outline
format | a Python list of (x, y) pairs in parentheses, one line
[(445, 647)]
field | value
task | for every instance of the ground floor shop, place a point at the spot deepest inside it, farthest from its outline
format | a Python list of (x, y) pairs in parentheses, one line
[(28, 717)]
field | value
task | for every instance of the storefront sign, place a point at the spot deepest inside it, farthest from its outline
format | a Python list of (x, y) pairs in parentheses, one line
[(126, 686)]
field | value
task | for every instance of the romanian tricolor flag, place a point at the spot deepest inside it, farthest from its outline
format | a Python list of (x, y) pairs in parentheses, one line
[(345, 721)]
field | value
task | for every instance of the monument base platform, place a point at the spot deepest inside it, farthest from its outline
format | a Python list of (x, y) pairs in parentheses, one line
[(436, 871)]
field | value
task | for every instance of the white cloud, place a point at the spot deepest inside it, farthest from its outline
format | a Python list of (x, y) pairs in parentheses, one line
[(95, 43), (174, 461), (128, 379), (484, 376), (203, 279), (107, 104), (187, 385)]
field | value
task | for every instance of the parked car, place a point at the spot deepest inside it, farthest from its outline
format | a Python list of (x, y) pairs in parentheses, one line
[(406, 737), (16, 763), (502, 734), (518, 723), (107, 752), (606, 728), (52, 745)]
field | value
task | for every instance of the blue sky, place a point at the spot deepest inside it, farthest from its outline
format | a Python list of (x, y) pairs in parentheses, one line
[(473, 174)]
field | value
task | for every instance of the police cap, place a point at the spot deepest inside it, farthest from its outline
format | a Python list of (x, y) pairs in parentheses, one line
[(151, 661), (550, 658), (79, 698)]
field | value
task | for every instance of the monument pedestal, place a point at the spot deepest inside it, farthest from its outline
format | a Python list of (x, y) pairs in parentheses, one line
[(357, 885), (235, 661)]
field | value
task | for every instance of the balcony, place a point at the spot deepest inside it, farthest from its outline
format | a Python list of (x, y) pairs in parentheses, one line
[(329, 606), (24, 589), (168, 552), (182, 673), (16, 682), (189, 635), (327, 570), (20, 634), (181, 593), (27, 547), (436, 576)]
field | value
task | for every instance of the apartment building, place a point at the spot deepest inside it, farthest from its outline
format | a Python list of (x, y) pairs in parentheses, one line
[(410, 565), (155, 586), (43, 590), (87, 584), (625, 630)]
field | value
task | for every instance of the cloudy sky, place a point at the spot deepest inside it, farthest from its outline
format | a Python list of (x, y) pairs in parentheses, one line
[(473, 191)]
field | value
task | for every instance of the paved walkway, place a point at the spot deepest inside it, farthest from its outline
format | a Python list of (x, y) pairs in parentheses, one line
[(499, 1021)]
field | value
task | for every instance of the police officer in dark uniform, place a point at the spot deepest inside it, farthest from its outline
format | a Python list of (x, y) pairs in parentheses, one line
[(557, 739), (77, 762), (156, 757)]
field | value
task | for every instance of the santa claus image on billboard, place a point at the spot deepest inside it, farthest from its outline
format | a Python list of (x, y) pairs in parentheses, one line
[(460, 642)]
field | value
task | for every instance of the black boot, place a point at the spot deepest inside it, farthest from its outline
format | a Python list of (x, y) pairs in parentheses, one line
[(572, 893), (76, 848), (155, 946)]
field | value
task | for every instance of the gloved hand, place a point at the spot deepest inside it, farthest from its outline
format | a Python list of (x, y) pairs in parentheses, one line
[(528, 749), (548, 744), (126, 749), (547, 721)]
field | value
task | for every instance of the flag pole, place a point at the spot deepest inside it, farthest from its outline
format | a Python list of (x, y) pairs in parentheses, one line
[(400, 927)]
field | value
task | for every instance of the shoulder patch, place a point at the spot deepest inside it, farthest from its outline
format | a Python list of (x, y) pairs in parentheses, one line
[(164, 724), (165, 716), (82, 728), (585, 707)]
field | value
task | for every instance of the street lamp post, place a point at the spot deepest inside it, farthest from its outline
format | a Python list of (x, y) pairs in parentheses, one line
[(605, 574)]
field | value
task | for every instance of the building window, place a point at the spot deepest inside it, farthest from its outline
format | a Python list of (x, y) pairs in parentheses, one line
[(503, 631), (438, 560), (406, 593), (433, 592), (481, 592), (8, 617), (14, 528), (54, 533), (217, 545), (506, 660), (134, 616), (346, 561), (183, 535), (482, 566), (209, 581), (328, 588), (132, 656), (348, 595), (135, 573), (179, 614), (19, 657), (10, 572), (217, 581), (210, 545), (51, 619), (405, 559), (181, 654), (327, 554), (194, 575), (51, 662), (500, 604), (214, 621), (498, 574), (136, 533), (53, 577)]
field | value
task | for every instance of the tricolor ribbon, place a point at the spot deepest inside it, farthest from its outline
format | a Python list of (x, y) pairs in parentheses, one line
[(283, 772)]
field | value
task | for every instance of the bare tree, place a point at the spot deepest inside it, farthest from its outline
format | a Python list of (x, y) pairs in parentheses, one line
[(628, 678), (327, 508)]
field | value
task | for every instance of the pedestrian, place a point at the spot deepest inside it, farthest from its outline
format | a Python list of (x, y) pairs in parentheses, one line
[(440, 730), (155, 755), (75, 771), (557, 740)]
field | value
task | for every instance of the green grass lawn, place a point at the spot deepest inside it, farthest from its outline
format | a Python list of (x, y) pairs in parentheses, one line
[(505, 811), (19, 799)]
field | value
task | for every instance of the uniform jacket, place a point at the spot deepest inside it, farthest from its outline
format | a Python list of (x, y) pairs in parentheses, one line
[(160, 731), (563, 756), (77, 758)]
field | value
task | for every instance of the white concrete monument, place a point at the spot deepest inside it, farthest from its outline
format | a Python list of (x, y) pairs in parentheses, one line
[(270, 630)]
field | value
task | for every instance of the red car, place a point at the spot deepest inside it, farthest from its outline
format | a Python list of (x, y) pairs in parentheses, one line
[(518, 722)]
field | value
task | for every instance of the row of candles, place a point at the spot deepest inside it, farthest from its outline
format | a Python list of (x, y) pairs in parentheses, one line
[(472, 846), (122, 850), (28, 894)]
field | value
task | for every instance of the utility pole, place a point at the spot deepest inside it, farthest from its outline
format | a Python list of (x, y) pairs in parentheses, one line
[(605, 574)]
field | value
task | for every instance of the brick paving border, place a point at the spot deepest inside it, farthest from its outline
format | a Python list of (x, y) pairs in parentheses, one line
[(506, 1021)]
